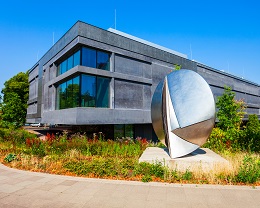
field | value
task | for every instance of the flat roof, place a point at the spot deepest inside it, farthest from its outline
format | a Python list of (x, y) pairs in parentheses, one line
[(147, 42)]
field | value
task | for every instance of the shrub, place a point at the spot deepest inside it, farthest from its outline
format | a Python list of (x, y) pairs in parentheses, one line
[(187, 175), (251, 139), (35, 147), (101, 167), (227, 134), (230, 111), (147, 169), (217, 140), (10, 157), (249, 171), (146, 178), (17, 136)]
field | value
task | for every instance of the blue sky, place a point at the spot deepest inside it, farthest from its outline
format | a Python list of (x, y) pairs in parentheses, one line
[(222, 34)]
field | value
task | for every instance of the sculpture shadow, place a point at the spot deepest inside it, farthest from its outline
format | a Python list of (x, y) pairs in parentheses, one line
[(198, 151)]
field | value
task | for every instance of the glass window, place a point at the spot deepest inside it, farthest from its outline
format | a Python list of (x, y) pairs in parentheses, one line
[(69, 94), (103, 92), (63, 95), (63, 67), (129, 132), (86, 57), (102, 60), (123, 130), (88, 91), (75, 94), (89, 57), (119, 130), (58, 98), (70, 62), (85, 91), (76, 58)]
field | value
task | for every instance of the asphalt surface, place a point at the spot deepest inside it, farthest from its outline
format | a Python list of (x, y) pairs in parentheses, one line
[(28, 189)]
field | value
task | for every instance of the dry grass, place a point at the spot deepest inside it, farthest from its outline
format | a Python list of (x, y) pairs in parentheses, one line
[(221, 173)]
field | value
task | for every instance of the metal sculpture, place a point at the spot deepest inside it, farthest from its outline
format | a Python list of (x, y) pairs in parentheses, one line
[(183, 112)]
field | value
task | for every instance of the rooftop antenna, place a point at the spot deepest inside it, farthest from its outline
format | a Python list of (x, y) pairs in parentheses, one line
[(228, 66), (115, 19), (52, 38)]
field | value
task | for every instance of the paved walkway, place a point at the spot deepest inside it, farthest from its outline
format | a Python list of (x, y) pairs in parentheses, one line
[(27, 189)]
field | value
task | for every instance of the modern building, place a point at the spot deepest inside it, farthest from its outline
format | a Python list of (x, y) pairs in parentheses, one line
[(103, 80)]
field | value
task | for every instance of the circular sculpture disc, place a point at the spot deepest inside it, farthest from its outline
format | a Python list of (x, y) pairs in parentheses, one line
[(183, 112)]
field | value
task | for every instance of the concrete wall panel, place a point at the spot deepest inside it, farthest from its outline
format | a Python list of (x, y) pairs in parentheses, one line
[(132, 67), (80, 116), (128, 95)]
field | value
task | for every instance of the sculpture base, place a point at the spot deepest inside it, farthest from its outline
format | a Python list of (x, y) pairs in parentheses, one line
[(201, 159)]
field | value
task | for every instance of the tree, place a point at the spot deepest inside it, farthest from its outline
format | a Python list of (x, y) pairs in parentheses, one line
[(177, 66), (0, 110), (230, 111), (252, 134), (14, 106)]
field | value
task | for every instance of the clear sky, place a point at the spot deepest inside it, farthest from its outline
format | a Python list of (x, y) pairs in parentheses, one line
[(222, 34)]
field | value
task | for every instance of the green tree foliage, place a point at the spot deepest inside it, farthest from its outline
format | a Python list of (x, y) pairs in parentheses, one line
[(177, 66), (251, 139), (0, 110), (230, 111), (16, 92), (228, 133)]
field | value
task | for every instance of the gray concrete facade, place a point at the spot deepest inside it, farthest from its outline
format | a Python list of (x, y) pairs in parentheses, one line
[(135, 70)]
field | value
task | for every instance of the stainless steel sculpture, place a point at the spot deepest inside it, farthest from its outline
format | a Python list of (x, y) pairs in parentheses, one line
[(183, 112)]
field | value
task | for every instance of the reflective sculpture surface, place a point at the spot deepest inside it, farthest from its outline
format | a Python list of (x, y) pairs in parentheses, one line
[(183, 112)]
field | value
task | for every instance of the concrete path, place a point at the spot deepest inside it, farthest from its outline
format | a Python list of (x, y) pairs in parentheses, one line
[(27, 189)]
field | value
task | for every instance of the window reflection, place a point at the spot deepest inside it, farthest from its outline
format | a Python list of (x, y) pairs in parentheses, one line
[(63, 67), (69, 94), (69, 63), (75, 94), (89, 57), (76, 58), (119, 131), (86, 57), (103, 92), (88, 91), (63, 95), (83, 91), (102, 60), (123, 130)]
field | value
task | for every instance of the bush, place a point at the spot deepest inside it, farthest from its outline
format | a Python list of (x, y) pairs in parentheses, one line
[(187, 175), (101, 167), (249, 171), (147, 169), (217, 140), (17, 136), (10, 157), (230, 111), (251, 139), (228, 134)]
